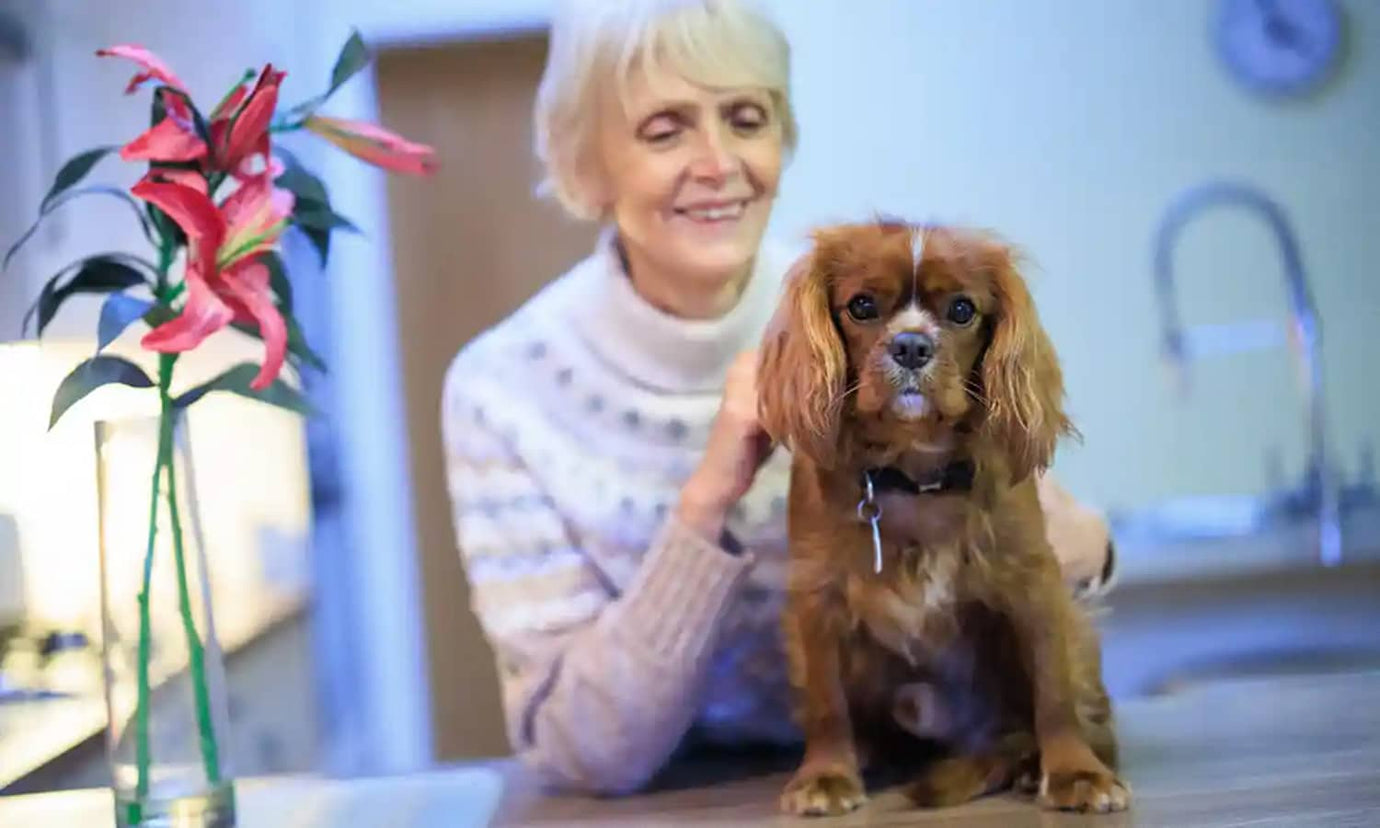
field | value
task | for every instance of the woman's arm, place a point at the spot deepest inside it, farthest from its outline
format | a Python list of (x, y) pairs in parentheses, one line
[(598, 689), (1080, 537)]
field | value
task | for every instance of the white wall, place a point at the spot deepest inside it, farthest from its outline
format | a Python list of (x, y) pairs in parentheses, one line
[(1068, 125)]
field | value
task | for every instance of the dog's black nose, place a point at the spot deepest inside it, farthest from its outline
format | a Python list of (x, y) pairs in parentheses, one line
[(912, 350)]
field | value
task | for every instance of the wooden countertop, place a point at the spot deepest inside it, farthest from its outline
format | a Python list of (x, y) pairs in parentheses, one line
[(1270, 752)]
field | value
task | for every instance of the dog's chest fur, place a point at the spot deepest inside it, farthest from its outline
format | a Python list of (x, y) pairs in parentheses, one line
[(911, 608)]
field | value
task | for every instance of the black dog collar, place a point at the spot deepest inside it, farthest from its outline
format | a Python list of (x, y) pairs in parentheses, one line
[(955, 477)]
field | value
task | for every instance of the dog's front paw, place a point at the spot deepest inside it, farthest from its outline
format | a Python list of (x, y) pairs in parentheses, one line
[(823, 793), (1094, 790)]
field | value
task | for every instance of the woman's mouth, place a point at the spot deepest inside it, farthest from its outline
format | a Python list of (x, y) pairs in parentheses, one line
[(714, 213)]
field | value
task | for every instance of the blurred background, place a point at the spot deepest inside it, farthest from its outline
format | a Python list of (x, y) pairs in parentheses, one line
[(1203, 252)]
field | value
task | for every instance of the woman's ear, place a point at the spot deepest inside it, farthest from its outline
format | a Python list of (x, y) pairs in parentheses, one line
[(1021, 378), (802, 367)]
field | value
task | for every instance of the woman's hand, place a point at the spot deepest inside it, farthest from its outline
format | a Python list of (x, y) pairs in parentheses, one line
[(736, 449)]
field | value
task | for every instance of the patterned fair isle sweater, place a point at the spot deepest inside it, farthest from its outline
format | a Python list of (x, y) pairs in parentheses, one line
[(569, 431)]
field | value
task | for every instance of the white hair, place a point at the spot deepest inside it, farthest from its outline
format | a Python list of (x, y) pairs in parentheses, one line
[(595, 43)]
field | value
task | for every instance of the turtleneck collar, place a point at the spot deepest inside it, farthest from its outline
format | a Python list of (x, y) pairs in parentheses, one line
[(666, 352)]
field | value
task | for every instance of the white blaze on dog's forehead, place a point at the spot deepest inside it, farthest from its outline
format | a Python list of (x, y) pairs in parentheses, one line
[(917, 253), (912, 318)]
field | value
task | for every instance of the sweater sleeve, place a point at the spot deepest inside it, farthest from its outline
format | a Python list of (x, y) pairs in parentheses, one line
[(598, 689)]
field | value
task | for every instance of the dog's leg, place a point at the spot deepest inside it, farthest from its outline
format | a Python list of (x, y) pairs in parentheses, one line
[(1072, 776), (827, 782), (1094, 706)]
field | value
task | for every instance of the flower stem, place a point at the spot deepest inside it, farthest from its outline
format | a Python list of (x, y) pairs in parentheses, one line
[(166, 251), (195, 652), (141, 727)]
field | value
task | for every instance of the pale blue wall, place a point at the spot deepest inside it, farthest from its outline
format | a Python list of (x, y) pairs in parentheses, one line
[(1068, 125)]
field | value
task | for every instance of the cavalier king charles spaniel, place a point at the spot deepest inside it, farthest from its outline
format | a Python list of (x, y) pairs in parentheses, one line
[(908, 372)]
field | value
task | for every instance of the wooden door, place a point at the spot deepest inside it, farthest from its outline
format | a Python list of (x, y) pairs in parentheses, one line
[(469, 246)]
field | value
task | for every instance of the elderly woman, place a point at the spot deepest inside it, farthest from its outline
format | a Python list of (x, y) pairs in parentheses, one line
[(620, 512)]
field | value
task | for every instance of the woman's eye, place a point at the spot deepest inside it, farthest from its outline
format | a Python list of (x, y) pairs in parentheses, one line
[(862, 307), (962, 310), (748, 117), (660, 129)]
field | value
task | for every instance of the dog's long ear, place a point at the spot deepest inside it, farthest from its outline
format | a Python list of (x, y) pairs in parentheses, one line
[(802, 366), (1021, 378)]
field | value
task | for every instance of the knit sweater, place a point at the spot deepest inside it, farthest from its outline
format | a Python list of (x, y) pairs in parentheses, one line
[(570, 429)]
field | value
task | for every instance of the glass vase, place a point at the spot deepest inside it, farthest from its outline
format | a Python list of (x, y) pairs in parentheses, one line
[(167, 725)]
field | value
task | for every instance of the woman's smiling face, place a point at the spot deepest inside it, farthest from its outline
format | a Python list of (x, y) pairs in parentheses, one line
[(690, 174)]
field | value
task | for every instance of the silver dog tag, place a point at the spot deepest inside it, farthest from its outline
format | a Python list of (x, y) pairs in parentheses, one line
[(869, 511)]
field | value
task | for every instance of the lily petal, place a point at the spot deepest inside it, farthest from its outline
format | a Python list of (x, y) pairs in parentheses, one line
[(247, 286), (193, 211), (255, 214), (374, 144), (250, 125), (176, 175), (168, 140), (230, 104), (203, 314), (260, 163), (153, 66)]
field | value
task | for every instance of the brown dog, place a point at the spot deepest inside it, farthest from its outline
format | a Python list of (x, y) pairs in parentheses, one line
[(909, 361)]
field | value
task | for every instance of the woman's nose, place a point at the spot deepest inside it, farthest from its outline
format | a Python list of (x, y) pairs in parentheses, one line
[(714, 158)]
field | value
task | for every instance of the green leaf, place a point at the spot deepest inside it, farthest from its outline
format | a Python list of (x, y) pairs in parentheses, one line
[(158, 314), (318, 216), (237, 379), (299, 180), (321, 240), (166, 227), (99, 274), (354, 56), (278, 280), (117, 313), (70, 195), (298, 347), (157, 110), (160, 111), (311, 210), (294, 117), (92, 374), (73, 172)]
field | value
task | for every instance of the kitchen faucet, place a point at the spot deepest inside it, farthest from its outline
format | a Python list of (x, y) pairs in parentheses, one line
[(1320, 492)]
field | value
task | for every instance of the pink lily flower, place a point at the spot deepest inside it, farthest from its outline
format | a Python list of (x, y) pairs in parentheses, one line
[(238, 126), (226, 280)]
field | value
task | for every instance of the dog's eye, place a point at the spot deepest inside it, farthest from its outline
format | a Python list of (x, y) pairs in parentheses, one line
[(962, 310), (862, 307)]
